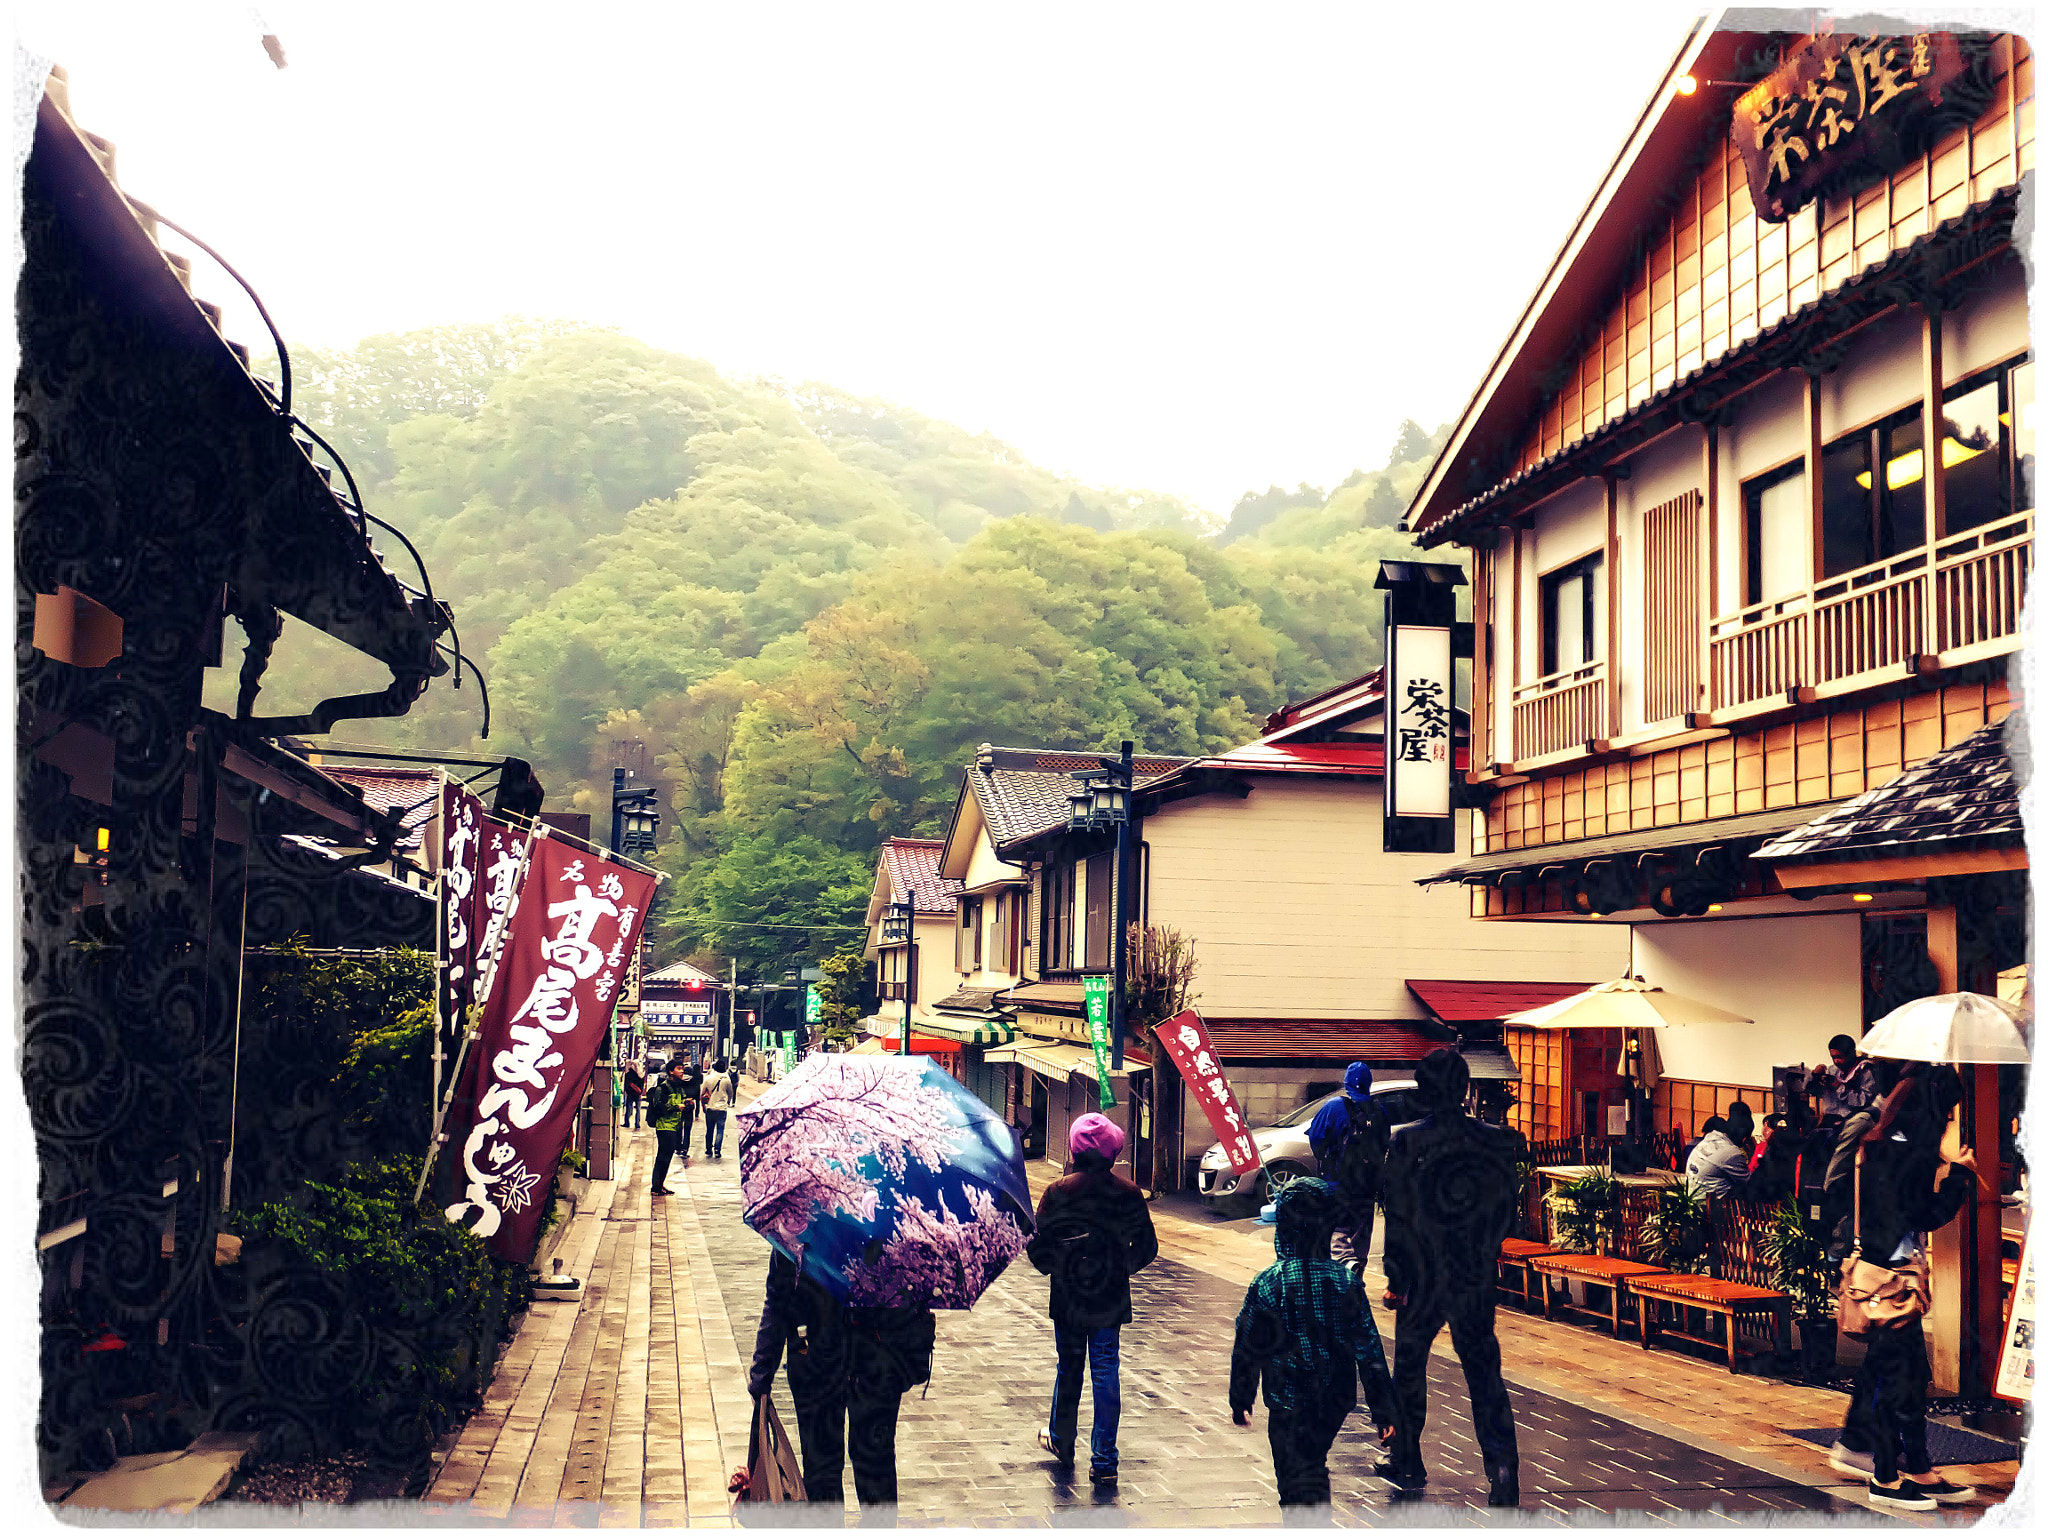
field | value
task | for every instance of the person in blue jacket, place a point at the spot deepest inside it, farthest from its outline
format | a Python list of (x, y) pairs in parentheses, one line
[(1349, 1139)]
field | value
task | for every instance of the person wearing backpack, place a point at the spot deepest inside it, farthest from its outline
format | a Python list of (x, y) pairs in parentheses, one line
[(665, 1114), (1094, 1233), (1349, 1139)]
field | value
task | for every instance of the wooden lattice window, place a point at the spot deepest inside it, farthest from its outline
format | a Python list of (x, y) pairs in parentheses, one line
[(1671, 608)]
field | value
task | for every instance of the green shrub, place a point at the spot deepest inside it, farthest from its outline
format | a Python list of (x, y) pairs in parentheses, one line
[(1677, 1234), (1797, 1252), (1583, 1211)]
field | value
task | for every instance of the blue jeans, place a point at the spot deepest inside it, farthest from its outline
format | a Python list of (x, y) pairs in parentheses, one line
[(632, 1119), (1097, 1347), (714, 1133)]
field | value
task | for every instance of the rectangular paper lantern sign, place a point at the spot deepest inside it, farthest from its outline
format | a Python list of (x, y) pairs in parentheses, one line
[(570, 935)]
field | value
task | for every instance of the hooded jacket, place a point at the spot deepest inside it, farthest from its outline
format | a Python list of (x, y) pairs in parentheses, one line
[(1305, 1333), (1352, 1113)]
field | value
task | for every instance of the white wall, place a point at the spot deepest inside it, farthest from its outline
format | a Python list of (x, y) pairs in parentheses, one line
[(1568, 525), (1879, 374), (1296, 912), (1989, 327), (1766, 432), (1799, 978)]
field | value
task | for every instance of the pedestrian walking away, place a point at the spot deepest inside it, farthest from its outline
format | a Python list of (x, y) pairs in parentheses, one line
[(693, 1091), (1094, 1233), (665, 1114), (718, 1099), (1349, 1139), (636, 1093), (848, 1369), (1451, 1195)]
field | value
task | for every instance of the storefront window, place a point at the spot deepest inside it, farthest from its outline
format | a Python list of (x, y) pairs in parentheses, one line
[(1574, 612), (1866, 517), (1987, 447), (1774, 534)]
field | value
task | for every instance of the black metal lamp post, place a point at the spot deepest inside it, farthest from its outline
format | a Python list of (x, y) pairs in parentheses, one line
[(635, 821), (896, 927), (1103, 803)]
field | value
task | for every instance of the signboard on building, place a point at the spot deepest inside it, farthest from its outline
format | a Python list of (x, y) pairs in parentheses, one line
[(1843, 110), (673, 1019), (2016, 1360), (814, 1005), (1419, 723), (1095, 990), (1185, 1038)]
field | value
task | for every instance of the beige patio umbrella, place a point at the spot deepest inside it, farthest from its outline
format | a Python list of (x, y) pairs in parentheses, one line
[(1627, 1002), (1953, 1026)]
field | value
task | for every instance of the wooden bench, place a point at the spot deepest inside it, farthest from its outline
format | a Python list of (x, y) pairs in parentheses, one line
[(1590, 1269), (1737, 1290), (1515, 1254)]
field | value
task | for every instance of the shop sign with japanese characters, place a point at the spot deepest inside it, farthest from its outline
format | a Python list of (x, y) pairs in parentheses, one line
[(1420, 723), (1841, 108), (573, 924), (1185, 1038), (1095, 992), (461, 854)]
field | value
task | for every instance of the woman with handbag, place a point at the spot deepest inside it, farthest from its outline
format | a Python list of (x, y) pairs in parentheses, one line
[(1882, 1302)]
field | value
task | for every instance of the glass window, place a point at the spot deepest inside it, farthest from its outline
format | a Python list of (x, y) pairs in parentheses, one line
[(1902, 500), (1866, 517), (1774, 534), (1973, 454), (1574, 614), (2020, 397), (1845, 505)]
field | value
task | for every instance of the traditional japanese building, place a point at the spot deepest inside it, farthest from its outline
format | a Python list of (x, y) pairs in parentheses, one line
[(1748, 493)]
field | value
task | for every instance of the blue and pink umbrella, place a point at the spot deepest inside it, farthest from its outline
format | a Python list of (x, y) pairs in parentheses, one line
[(885, 1180)]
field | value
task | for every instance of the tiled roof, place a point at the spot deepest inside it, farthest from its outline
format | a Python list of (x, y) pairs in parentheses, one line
[(977, 1000), (1968, 793), (684, 973), (1345, 698), (913, 866), (1480, 1002), (411, 790), (1022, 791)]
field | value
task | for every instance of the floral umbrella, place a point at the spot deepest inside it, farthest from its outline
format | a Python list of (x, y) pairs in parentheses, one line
[(885, 1180)]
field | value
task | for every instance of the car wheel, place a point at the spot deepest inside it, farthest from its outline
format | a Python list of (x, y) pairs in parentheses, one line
[(1246, 1200), (1280, 1173)]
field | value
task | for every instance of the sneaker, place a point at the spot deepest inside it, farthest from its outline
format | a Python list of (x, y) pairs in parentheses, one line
[(1102, 1477), (1857, 1464), (1504, 1491), (1052, 1448), (1905, 1496), (1942, 1491)]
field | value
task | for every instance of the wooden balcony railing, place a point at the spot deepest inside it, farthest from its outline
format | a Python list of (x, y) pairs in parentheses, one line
[(1980, 579), (1560, 712), (1962, 605)]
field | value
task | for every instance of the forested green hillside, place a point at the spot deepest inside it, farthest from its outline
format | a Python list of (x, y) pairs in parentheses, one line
[(808, 608)]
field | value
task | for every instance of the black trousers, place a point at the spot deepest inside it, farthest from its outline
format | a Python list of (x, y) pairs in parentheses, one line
[(1888, 1406), (1351, 1238), (858, 1420), (1301, 1439), (689, 1119), (664, 1153), (1470, 1318)]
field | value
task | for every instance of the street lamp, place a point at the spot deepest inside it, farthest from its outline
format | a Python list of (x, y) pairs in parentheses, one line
[(1102, 803), (896, 921), (635, 821)]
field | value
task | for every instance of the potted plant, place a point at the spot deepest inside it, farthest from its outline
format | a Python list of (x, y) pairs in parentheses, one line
[(1798, 1255), (1585, 1213), (1677, 1233)]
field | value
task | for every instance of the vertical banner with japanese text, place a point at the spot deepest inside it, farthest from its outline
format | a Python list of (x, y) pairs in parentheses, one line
[(1419, 721), (1095, 989), (462, 834), (1185, 1039), (572, 927)]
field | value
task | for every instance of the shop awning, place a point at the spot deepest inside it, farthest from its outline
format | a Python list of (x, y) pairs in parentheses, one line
[(1331, 1040), (1482, 1002), (1490, 867), (1047, 1058)]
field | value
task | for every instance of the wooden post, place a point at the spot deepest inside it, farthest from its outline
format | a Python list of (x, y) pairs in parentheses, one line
[(1612, 640), (1983, 1271), (1951, 1244), (1515, 647), (1710, 546), (1477, 756), (1817, 544)]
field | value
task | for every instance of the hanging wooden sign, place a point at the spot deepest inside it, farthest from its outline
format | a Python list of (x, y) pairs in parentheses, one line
[(1840, 110)]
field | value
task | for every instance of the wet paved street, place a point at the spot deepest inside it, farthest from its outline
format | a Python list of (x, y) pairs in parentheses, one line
[(967, 1452)]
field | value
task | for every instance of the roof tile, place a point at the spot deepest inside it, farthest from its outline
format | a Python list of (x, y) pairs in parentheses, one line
[(913, 866), (1969, 792)]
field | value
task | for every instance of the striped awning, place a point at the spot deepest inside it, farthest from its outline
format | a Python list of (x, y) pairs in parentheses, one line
[(970, 1031)]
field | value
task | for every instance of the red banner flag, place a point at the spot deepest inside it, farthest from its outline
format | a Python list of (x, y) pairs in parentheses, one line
[(574, 921), (462, 832), (1186, 1039)]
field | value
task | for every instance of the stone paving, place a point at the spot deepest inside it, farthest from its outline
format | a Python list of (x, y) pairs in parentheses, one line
[(630, 1407)]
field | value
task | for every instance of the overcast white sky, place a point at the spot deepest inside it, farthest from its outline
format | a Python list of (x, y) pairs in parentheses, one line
[(1195, 248)]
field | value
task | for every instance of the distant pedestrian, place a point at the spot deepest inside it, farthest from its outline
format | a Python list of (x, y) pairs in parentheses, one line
[(665, 1114), (718, 1098), (1349, 1139), (1306, 1341), (848, 1370), (1719, 1164), (1094, 1233), (636, 1093), (1451, 1193), (693, 1092), (1847, 1084)]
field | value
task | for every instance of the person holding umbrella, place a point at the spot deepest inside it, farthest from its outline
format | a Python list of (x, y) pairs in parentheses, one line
[(1094, 1233), (848, 1370)]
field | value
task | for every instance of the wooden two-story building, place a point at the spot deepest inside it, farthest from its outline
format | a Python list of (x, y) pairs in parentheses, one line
[(1743, 638)]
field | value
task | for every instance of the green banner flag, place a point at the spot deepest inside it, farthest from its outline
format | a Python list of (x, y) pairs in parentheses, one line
[(814, 1005), (1096, 990)]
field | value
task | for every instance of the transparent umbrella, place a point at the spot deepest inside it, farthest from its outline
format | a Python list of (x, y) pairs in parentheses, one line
[(1953, 1026)]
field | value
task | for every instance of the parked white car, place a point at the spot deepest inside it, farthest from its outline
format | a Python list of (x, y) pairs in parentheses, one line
[(1284, 1150)]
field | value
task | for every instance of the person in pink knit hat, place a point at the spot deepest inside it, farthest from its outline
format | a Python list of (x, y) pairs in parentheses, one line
[(1094, 1233)]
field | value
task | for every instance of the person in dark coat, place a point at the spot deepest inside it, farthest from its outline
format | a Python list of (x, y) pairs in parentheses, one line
[(665, 1114), (1305, 1341), (848, 1370), (1094, 1233), (1451, 1199), (1349, 1139), (693, 1094), (636, 1092)]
